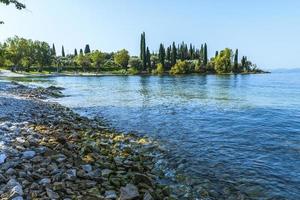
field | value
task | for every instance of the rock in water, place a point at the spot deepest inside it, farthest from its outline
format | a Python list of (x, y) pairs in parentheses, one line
[(129, 192), (28, 154), (2, 158)]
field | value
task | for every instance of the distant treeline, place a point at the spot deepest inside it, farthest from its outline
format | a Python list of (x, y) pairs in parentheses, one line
[(21, 54)]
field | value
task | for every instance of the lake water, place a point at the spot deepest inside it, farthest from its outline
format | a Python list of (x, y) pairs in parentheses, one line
[(233, 136)]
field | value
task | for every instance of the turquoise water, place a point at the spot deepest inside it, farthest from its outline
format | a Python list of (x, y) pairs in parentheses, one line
[(233, 136)]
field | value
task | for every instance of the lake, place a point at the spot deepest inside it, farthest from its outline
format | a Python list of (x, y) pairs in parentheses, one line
[(233, 136)]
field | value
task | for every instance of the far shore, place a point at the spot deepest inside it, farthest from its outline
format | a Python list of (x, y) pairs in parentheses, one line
[(8, 73)]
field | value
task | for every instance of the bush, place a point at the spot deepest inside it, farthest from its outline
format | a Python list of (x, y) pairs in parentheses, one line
[(136, 63), (133, 71), (181, 67), (159, 69)]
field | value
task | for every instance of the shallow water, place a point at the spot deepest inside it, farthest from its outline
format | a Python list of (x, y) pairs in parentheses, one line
[(233, 136)]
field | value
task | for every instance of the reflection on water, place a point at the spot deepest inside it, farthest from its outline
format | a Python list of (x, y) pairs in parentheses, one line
[(234, 136)]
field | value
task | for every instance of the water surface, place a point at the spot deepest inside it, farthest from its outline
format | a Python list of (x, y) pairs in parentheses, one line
[(234, 136)]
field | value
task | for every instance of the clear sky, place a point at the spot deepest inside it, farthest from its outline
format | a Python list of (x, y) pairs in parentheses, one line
[(268, 31)]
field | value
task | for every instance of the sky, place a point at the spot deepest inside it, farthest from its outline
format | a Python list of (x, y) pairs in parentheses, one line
[(267, 31)]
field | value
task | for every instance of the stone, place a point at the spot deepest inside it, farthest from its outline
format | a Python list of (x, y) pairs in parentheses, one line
[(45, 181), (147, 196), (58, 186), (95, 192), (2, 158), (51, 194), (87, 168), (16, 191), (10, 172), (110, 194), (141, 178), (71, 174), (28, 154), (129, 192), (106, 172)]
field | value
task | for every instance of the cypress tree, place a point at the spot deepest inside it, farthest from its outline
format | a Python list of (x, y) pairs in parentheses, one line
[(63, 51), (53, 51), (143, 50), (216, 54), (236, 61), (81, 52), (148, 60), (162, 54), (87, 49), (205, 59), (168, 53), (173, 54), (75, 52)]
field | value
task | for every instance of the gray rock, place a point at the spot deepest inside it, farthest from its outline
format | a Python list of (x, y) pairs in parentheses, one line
[(129, 192), (2, 158), (111, 194), (51, 194), (28, 154), (18, 198), (106, 172), (71, 174), (147, 196), (10, 172), (87, 168), (45, 181)]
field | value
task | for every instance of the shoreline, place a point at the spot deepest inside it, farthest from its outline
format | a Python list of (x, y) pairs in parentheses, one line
[(9, 74), (48, 150)]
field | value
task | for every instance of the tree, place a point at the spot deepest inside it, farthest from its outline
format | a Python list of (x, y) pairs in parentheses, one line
[(53, 51), (223, 61), (162, 54), (205, 57), (122, 58), (173, 54), (160, 69), (75, 52), (17, 4), (80, 51), (236, 62), (148, 60), (63, 51), (136, 63), (83, 61), (97, 58), (143, 50), (181, 67), (87, 49)]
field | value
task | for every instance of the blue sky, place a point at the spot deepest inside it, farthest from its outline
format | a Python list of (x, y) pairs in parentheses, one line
[(268, 31)]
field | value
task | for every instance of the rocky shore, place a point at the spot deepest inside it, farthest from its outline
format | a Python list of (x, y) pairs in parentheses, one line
[(49, 152)]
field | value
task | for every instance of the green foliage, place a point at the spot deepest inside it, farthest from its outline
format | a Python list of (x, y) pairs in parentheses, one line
[(87, 49), (84, 61), (122, 58), (133, 71), (162, 54), (63, 51), (143, 50), (235, 68), (173, 54), (223, 61), (97, 58), (181, 67), (159, 69), (136, 63)]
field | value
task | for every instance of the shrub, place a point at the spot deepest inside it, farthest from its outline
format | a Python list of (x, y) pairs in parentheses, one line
[(181, 67)]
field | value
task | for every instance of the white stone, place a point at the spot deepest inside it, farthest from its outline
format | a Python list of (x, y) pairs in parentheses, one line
[(2, 158)]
